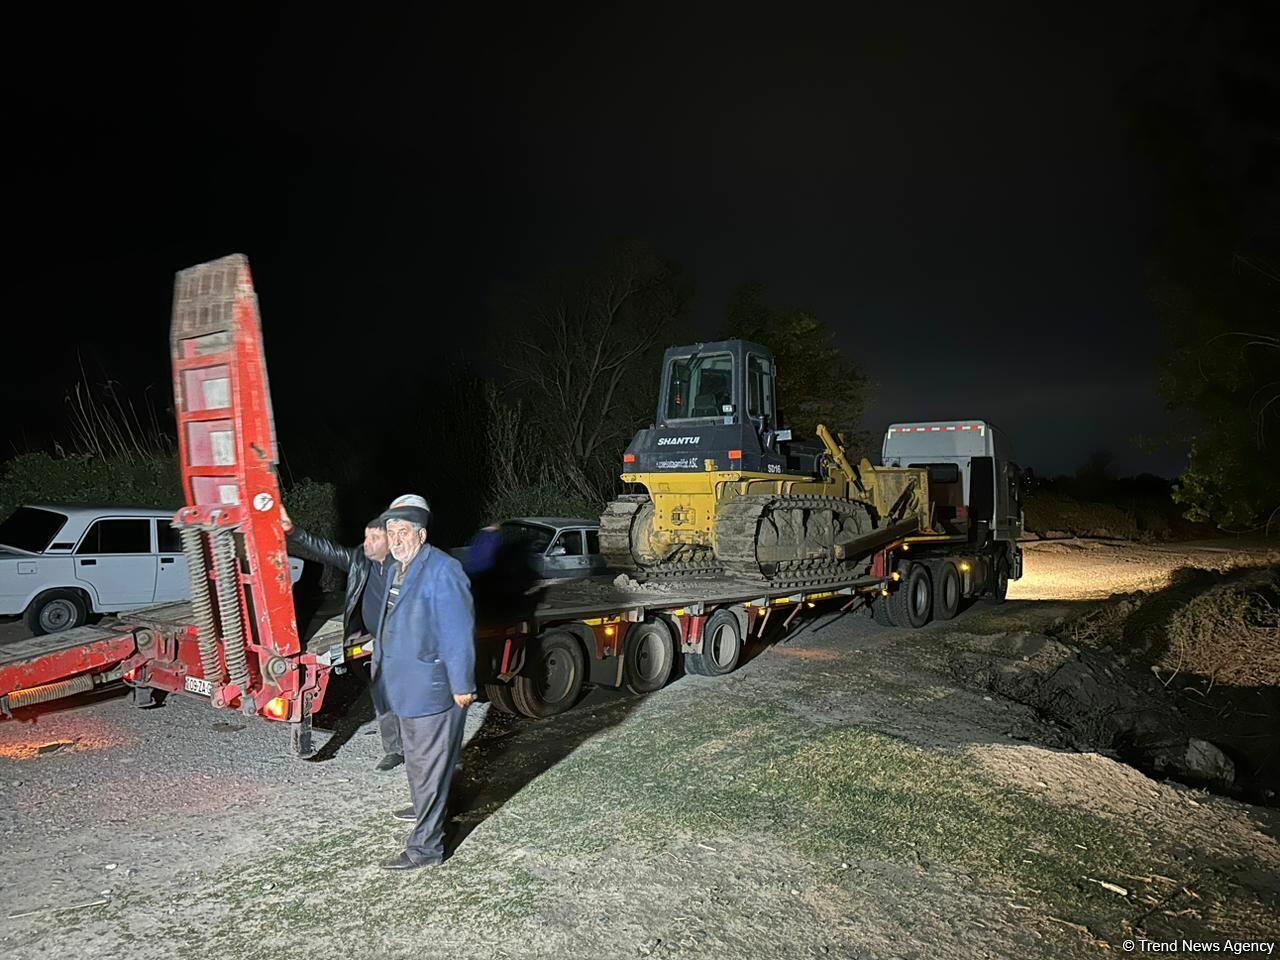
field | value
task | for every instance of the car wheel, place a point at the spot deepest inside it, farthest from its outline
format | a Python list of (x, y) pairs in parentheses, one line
[(56, 610)]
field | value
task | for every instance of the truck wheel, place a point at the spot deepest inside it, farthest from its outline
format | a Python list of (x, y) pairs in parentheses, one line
[(499, 694), (648, 654), (551, 681), (721, 646), (946, 591), (880, 612), (56, 610), (1000, 585), (911, 605)]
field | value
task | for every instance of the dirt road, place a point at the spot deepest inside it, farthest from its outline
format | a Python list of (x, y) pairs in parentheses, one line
[(838, 796)]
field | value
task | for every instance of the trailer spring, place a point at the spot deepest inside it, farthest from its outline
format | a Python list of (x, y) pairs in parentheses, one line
[(46, 692), (201, 606), (224, 564)]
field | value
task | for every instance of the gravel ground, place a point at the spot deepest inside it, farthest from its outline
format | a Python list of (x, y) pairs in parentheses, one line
[(837, 796)]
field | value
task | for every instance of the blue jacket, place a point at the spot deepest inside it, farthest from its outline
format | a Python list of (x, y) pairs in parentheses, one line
[(425, 651)]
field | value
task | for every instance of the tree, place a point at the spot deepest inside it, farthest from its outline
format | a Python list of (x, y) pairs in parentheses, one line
[(582, 352), (816, 382), (1208, 125)]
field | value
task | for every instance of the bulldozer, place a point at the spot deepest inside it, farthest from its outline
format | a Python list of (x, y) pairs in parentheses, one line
[(729, 491)]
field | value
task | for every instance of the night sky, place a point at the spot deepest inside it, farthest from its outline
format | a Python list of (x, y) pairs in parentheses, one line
[(955, 190)]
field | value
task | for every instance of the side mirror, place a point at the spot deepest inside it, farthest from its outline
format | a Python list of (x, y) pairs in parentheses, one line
[(783, 434), (726, 408), (557, 551)]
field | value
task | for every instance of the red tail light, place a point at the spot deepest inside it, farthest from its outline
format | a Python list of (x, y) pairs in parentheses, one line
[(277, 708), (628, 458), (735, 454)]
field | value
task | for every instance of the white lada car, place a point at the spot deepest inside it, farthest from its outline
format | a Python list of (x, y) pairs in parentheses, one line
[(59, 565)]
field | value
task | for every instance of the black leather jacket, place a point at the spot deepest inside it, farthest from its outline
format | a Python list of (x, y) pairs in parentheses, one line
[(351, 560)]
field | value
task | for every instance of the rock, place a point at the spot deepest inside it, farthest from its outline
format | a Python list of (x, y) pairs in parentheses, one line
[(1206, 762)]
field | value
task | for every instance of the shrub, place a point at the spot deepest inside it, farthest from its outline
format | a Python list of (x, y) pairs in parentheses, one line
[(152, 481)]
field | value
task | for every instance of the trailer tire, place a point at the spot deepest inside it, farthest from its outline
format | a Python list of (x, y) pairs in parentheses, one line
[(880, 611), (648, 654), (499, 694), (553, 675), (946, 591), (911, 605), (721, 646), (56, 610)]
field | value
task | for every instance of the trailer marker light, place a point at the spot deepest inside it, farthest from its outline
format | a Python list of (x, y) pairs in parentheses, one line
[(884, 591), (812, 604), (895, 576), (277, 708), (906, 546), (735, 454), (610, 631), (628, 458), (964, 566)]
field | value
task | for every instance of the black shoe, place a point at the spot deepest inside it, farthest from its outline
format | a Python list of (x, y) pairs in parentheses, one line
[(390, 761), (406, 814), (405, 862)]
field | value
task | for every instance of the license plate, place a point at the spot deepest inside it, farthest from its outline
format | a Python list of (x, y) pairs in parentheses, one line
[(196, 685)]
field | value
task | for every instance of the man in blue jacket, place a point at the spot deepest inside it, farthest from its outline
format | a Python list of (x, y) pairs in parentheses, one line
[(424, 671)]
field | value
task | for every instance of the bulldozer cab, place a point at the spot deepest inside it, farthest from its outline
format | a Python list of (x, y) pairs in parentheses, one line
[(725, 381)]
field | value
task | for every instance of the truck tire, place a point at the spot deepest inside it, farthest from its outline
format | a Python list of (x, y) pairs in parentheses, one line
[(721, 646), (946, 591), (499, 694), (880, 611), (1000, 581), (911, 605), (648, 654), (553, 674), (55, 610)]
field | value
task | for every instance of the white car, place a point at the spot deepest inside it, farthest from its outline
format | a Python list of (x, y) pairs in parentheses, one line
[(58, 565)]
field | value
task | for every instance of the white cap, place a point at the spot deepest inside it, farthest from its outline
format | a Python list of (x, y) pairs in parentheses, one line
[(409, 500)]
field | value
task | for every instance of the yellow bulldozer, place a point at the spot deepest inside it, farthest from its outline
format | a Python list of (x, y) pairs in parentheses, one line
[(729, 491)]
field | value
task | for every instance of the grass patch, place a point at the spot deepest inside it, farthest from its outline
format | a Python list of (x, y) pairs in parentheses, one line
[(834, 793)]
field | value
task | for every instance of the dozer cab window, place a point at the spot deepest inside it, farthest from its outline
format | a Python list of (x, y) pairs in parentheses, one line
[(759, 388), (699, 386)]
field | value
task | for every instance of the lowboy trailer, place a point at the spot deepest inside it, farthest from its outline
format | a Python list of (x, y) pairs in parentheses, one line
[(237, 645)]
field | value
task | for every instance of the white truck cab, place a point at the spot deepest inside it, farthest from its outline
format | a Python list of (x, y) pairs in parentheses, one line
[(973, 482)]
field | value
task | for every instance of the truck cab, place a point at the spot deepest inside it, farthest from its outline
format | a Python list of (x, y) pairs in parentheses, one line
[(974, 485)]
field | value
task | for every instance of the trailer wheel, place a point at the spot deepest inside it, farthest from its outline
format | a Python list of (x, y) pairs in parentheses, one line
[(911, 605), (551, 681), (946, 591), (648, 654), (56, 610), (721, 646), (880, 611), (499, 694)]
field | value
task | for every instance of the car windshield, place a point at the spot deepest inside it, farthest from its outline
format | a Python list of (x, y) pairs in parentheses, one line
[(699, 386), (31, 529), (534, 535)]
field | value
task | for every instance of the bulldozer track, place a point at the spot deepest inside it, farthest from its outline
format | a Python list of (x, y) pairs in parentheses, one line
[(737, 526), (738, 529)]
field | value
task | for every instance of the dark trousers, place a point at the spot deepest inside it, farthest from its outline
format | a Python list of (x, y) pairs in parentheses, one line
[(389, 729), (431, 748)]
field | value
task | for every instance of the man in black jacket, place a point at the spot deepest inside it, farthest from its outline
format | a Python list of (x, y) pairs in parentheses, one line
[(367, 570)]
